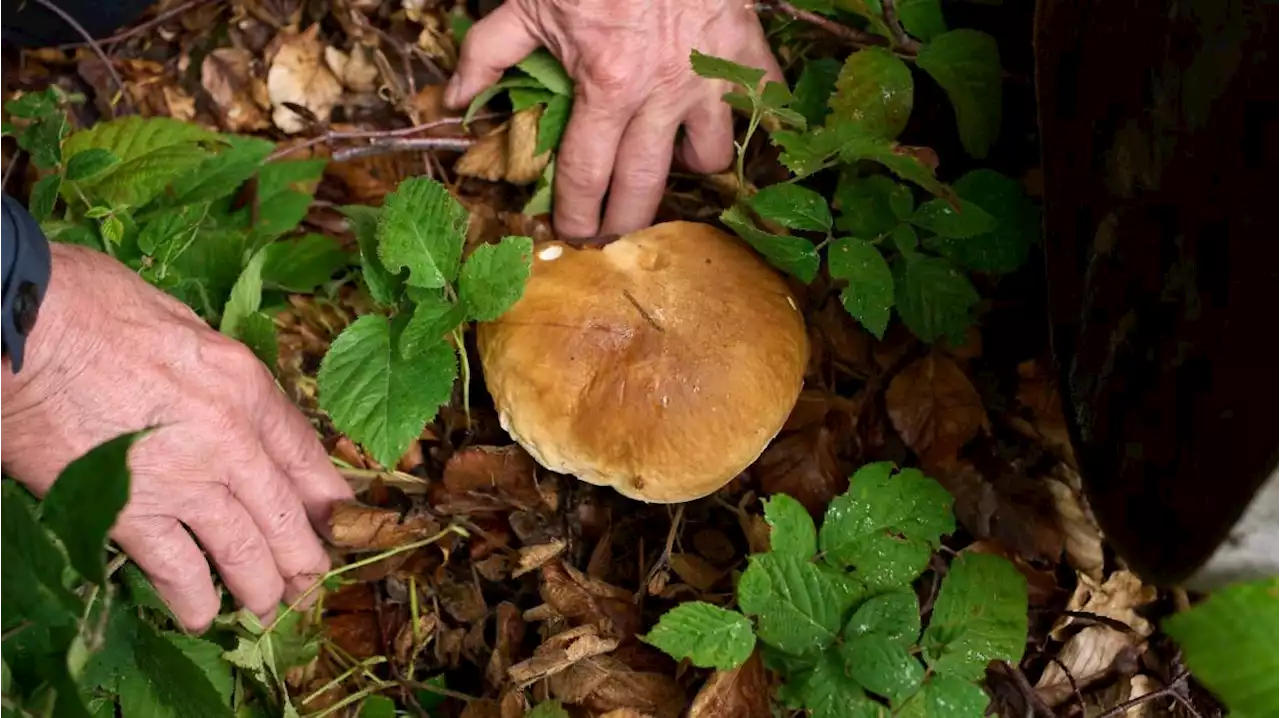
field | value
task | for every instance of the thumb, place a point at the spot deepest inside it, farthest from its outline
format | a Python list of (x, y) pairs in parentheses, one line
[(498, 41)]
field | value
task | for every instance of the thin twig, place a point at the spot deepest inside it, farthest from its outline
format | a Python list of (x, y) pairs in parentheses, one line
[(1075, 687), (139, 29), (853, 36), (900, 36), (1035, 704), (334, 135), (1169, 691), (453, 144), (93, 44), (13, 162)]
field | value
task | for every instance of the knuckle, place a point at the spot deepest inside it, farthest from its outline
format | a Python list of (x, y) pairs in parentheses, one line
[(609, 81), (580, 177)]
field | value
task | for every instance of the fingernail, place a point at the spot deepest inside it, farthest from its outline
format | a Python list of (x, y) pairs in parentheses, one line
[(452, 90)]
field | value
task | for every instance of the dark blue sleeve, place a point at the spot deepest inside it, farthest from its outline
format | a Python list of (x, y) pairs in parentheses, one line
[(27, 265)]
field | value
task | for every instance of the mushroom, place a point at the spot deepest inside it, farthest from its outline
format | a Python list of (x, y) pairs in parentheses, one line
[(661, 364)]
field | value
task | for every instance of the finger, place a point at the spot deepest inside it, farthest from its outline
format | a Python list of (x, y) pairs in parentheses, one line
[(240, 552), (640, 174), (498, 41), (707, 147), (585, 164), (273, 504), (164, 551), (292, 445)]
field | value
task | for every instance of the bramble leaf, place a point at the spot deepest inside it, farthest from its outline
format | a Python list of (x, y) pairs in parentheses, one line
[(422, 227), (805, 153), (32, 567), (886, 525), (525, 97), (814, 88), (882, 666), (542, 66), (375, 395), (552, 123), (791, 528), (223, 173), (933, 297), (944, 220), (506, 83), (794, 255), (829, 691), (44, 196), (34, 105), (43, 138), (874, 92), (90, 162), (301, 264), (922, 18), (718, 68), (793, 206), (980, 616), (868, 296), (432, 320), (798, 606), (894, 615), (1229, 640), (1016, 224), (493, 277), (904, 239), (902, 160), (258, 332), (246, 296), (870, 206), (153, 153), (384, 286), (966, 64), (709, 636), (871, 11), (945, 697), (376, 706)]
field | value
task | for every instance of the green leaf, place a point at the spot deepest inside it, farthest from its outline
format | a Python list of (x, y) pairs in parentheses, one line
[(83, 503), (791, 528), (922, 18), (32, 568), (902, 160), (376, 396), (43, 138), (794, 255), (904, 239), (44, 195), (740, 101), (793, 206), (868, 296), (522, 98), (33, 105), (941, 218), (207, 656), (432, 321), (153, 153), (493, 277), (980, 616), (540, 202), (709, 636), (246, 296), (894, 615), (302, 264), (886, 525), (870, 206), (429, 700), (166, 234), (492, 91), (883, 666), (813, 89), (376, 706), (1229, 641), (719, 68), (1016, 224), (934, 298), (90, 162), (966, 64), (422, 227), (221, 174), (798, 606), (542, 66), (112, 229), (384, 286), (945, 697), (805, 153), (258, 332), (869, 10), (775, 100), (829, 691), (548, 709), (551, 125), (874, 92)]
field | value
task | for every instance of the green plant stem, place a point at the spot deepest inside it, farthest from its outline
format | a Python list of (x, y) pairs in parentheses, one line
[(756, 114), (464, 365), (357, 696)]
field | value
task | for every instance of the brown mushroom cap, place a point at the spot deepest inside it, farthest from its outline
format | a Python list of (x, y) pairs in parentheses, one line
[(661, 364)]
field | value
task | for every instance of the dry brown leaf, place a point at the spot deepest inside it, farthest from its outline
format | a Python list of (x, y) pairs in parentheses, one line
[(412, 638), (299, 75), (482, 708), (523, 167), (487, 158), (357, 527), (695, 570), (740, 693), (482, 478), (555, 656), (462, 601), (1139, 686), (934, 407), (227, 75), (625, 713), (355, 633), (841, 338), (804, 466), (1084, 539), (714, 546), (1040, 416), (355, 70), (589, 601), (428, 105), (509, 633), (1002, 503), (604, 683), (532, 557)]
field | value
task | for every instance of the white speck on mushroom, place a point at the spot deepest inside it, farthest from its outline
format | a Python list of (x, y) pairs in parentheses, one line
[(548, 254), (792, 302)]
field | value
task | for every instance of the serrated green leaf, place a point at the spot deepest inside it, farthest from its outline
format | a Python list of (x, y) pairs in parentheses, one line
[(943, 219), (542, 66), (43, 138), (1229, 642), (966, 64), (921, 18), (882, 666), (709, 636), (945, 697), (384, 286), (33, 105), (548, 709), (829, 691), (97, 212), (776, 96), (432, 321), (422, 228), (886, 525), (377, 397), (493, 277), (813, 89), (246, 296), (894, 615), (32, 568), (207, 656), (980, 616), (797, 605), (933, 298), (540, 202), (552, 123), (153, 153), (794, 255), (793, 206), (83, 503), (719, 68), (740, 101), (166, 234), (902, 160), (377, 706), (869, 10), (868, 296), (869, 207), (221, 174), (904, 239), (1016, 224), (44, 195), (258, 332), (301, 264), (522, 98), (791, 528), (492, 91), (112, 229), (90, 162), (874, 92), (805, 153)]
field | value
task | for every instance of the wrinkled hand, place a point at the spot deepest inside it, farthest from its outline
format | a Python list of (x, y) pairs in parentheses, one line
[(634, 88), (231, 459)]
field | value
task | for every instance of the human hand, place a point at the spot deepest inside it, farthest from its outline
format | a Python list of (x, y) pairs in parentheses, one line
[(230, 458), (634, 88)]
